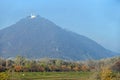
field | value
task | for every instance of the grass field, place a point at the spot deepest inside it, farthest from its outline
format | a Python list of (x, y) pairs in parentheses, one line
[(50, 76)]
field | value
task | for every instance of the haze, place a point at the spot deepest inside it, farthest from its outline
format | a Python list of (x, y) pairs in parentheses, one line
[(96, 19)]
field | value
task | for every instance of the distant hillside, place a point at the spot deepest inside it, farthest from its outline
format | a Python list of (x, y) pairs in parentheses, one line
[(38, 37)]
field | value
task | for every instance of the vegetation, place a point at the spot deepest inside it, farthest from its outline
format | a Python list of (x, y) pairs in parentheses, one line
[(50, 75), (4, 75), (22, 68)]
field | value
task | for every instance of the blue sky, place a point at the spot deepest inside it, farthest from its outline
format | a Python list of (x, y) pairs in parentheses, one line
[(96, 19)]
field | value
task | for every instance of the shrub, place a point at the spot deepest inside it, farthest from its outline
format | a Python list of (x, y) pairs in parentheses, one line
[(4, 75), (106, 73), (116, 66)]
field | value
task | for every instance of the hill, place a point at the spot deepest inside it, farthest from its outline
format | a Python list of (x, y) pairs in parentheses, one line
[(38, 37)]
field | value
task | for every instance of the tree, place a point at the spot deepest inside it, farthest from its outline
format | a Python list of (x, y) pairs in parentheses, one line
[(20, 61)]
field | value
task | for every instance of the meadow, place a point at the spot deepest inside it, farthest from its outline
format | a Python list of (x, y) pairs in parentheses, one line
[(57, 76), (50, 75)]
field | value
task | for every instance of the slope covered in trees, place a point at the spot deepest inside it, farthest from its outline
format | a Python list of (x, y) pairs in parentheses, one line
[(39, 38)]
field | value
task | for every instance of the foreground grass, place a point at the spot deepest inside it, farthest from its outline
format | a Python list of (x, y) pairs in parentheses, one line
[(54, 76), (50, 75)]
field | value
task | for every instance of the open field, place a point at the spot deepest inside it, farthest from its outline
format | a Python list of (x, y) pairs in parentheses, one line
[(50, 76)]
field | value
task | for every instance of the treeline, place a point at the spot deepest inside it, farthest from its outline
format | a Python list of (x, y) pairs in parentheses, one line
[(22, 64)]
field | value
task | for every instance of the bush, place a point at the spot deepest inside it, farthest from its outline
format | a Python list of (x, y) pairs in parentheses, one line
[(4, 75), (106, 74), (116, 66)]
